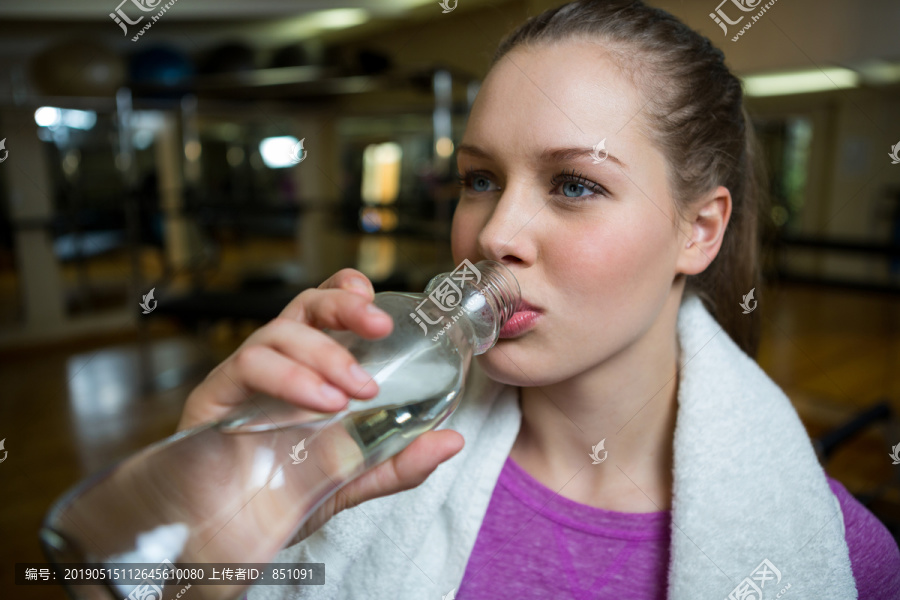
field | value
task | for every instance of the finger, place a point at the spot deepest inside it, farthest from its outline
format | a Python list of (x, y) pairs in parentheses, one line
[(212, 399), (406, 470), (339, 310), (350, 280), (320, 353), (262, 369), (254, 369)]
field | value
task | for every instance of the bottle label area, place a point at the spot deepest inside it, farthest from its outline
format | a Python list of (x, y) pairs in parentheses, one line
[(446, 295)]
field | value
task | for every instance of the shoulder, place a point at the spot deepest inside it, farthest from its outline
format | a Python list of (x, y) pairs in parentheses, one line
[(874, 555)]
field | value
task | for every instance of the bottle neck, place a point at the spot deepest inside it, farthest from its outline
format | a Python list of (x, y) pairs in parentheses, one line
[(489, 296)]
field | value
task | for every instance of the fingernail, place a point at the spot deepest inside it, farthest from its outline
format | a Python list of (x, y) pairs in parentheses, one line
[(358, 284), (359, 374), (331, 393), (372, 309)]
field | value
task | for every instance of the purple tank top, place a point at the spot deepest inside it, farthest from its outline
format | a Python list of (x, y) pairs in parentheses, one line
[(535, 545)]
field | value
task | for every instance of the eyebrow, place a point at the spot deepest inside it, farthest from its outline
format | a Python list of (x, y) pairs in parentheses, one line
[(549, 154)]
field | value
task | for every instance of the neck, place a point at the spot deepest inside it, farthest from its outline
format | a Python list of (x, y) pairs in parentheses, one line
[(630, 401)]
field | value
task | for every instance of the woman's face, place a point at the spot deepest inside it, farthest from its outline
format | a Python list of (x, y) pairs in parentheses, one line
[(593, 246)]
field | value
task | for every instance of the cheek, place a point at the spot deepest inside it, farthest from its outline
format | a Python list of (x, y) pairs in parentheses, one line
[(618, 266)]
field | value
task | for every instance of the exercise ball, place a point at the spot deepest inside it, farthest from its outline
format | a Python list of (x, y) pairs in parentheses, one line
[(161, 67), (78, 68), (233, 57)]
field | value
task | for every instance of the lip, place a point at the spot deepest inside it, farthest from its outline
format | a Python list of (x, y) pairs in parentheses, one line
[(522, 321)]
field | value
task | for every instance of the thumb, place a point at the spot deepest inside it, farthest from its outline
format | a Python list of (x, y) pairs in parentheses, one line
[(406, 470)]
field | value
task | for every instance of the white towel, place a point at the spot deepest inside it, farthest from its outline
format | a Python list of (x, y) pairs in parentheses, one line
[(747, 489)]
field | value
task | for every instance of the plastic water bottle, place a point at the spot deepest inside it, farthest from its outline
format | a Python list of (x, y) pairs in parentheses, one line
[(238, 490)]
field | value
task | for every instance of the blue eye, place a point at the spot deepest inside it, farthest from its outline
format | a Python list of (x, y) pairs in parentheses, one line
[(480, 183), (576, 188), (477, 182)]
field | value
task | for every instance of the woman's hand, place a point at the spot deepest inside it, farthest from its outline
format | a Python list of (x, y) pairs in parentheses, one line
[(292, 359)]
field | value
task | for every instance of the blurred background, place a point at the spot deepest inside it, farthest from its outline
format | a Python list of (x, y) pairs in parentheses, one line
[(231, 153)]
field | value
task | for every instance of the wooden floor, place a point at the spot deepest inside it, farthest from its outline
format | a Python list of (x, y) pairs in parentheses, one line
[(71, 410)]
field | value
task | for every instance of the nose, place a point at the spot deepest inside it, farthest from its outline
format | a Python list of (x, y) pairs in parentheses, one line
[(509, 235)]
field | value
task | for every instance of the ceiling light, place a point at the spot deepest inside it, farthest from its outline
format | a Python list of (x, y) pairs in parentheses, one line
[(47, 116), (800, 82), (51, 116), (277, 151), (339, 18)]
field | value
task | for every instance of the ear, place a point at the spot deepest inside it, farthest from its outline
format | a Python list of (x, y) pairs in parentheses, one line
[(705, 222)]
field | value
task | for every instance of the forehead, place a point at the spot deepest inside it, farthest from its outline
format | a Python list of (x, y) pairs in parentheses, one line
[(572, 88)]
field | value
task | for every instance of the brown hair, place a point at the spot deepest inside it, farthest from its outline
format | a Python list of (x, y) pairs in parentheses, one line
[(697, 119)]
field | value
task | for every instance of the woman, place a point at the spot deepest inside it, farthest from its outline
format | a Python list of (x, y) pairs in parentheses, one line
[(711, 488)]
